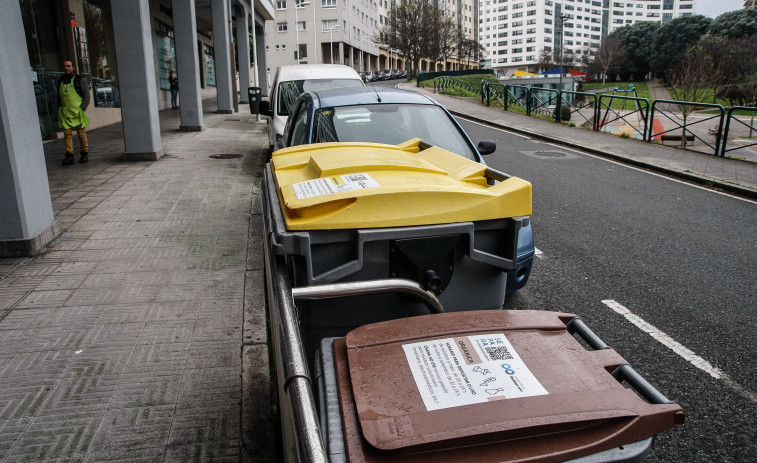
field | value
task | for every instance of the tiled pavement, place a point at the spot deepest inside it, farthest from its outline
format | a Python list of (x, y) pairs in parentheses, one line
[(124, 340)]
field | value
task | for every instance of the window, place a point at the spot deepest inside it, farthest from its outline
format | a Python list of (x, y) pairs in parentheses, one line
[(328, 24), (301, 26), (517, 15), (328, 3), (299, 3), (653, 7), (281, 5), (685, 7), (517, 41), (281, 27), (517, 24), (530, 49), (517, 50), (531, 22), (532, 13), (502, 43)]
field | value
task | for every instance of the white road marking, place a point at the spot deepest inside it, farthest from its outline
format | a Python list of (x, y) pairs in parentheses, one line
[(538, 253), (679, 349), (666, 340)]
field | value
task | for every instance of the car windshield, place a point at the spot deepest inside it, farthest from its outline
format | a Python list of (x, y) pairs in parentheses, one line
[(290, 90), (392, 124)]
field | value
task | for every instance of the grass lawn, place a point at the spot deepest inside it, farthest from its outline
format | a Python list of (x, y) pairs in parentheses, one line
[(642, 91)]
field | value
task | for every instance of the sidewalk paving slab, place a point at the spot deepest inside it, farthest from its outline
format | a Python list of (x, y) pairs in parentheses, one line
[(125, 340)]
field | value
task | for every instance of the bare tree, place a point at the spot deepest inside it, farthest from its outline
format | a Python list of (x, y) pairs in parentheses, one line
[(412, 29), (445, 39), (610, 51), (691, 81)]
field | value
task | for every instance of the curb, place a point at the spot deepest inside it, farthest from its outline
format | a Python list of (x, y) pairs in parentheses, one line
[(708, 182)]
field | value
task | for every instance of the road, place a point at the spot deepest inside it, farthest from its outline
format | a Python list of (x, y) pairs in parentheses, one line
[(680, 257)]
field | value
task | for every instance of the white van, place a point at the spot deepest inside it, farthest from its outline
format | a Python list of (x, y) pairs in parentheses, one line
[(290, 82)]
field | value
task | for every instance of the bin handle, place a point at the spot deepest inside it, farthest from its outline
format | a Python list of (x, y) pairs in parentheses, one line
[(624, 372), (356, 288)]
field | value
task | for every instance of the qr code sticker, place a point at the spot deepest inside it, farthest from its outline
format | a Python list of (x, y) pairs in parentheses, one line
[(499, 353)]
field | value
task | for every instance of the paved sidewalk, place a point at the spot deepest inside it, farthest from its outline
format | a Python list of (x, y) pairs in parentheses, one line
[(729, 174), (125, 340)]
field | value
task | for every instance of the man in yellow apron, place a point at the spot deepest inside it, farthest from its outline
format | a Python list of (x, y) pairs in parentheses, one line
[(73, 99)]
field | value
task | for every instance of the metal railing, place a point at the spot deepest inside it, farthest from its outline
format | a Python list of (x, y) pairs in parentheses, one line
[(448, 82), (578, 107), (685, 132), (640, 118), (732, 117), (641, 113), (543, 100)]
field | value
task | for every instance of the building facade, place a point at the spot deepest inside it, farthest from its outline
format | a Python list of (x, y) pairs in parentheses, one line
[(322, 32), (126, 49), (515, 33)]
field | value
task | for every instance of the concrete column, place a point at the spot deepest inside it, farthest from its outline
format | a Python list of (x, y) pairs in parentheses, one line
[(352, 58), (340, 59), (222, 47), (243, 52), (260, 61), (136, 66), (187, 64), (27, 224)]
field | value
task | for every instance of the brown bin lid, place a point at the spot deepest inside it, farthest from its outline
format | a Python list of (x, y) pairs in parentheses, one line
[(552, 400)]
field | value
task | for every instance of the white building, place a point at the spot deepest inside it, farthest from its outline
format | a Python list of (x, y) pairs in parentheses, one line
[(515, 32), (321, 29)]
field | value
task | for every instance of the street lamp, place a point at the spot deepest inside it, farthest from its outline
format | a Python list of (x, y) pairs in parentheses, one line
[(333, 28), (362, 45), (562, 34), (298, 4)]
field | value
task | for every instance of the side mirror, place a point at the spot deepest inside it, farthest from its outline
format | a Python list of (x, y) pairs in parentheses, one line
[(486, 147)]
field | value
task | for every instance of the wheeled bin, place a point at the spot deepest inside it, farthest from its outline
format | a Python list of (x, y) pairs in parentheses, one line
[(357, 212), (362, 242), (500, 386)]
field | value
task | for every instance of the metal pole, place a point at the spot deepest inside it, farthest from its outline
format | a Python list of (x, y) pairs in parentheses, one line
[(296, 33), (316, 47)]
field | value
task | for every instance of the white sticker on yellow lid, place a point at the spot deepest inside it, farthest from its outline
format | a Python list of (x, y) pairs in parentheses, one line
[(331, 185), (466, 370)]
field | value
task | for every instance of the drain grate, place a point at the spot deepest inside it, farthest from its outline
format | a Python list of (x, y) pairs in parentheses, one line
[(226, 156), (233, 120), (549, 154)]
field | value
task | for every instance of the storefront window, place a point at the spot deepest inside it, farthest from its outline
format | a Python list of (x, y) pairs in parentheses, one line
[(166, 51), (210, 66), (101, 55)]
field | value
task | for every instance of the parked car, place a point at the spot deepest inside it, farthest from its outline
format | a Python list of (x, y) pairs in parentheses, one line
[(368, 76), (392, 116), (290, 81)]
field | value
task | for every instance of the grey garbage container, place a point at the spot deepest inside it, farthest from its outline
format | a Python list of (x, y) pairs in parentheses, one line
[(253, 97)]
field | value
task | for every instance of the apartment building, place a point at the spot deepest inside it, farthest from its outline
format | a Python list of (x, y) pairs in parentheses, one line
[(516, 32), (322, 32)]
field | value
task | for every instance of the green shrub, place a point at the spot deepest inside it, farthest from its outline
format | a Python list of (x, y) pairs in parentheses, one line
[(565, 112)]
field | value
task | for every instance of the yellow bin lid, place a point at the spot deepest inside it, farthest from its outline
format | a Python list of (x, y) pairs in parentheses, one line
[(370, 185)]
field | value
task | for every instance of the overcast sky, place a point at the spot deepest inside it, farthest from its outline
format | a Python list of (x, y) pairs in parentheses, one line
[(714, 8)]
